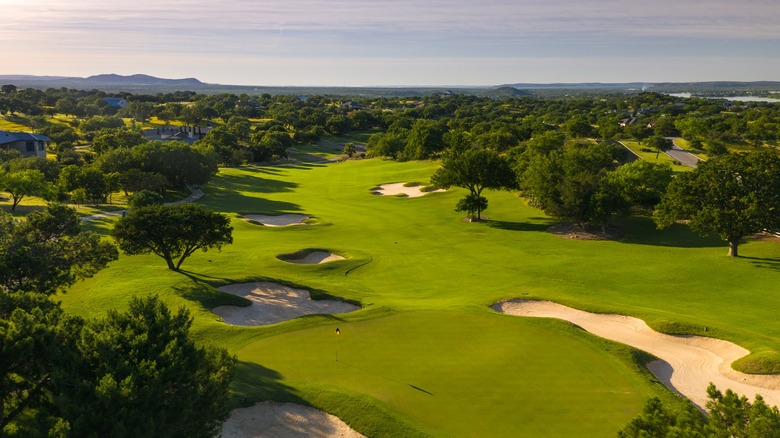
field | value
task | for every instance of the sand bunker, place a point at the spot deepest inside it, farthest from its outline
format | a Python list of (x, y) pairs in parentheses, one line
[(282, 220), (273, 303), (282, 420), (688, 363), (310, 258), (399, 189)]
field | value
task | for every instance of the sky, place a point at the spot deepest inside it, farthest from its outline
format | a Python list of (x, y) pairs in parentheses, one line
[(395, 42)]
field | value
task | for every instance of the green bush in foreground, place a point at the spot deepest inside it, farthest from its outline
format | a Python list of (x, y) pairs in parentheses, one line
[(729, 416)]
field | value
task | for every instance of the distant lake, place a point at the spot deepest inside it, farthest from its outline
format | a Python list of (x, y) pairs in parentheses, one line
[(732, 98)]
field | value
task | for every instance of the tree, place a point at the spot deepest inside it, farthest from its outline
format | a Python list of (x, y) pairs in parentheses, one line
[(656, 420), (578, 127), (23, 183), (108, 139), (48, 251), (180, 163), (143, 198), (173, 232), (349, 149), (338, 124), (564, 182), (139, 373), (734, 196), (39, 256), (475, 170), (641, 183), (385, 145), (473, 205), (661, 144), (729, 416), (135, 180), (425, 139)]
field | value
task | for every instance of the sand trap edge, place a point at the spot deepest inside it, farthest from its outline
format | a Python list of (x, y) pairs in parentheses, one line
[(275, 221), (402, 190), (283, 420), (310, 256), (273, 303)]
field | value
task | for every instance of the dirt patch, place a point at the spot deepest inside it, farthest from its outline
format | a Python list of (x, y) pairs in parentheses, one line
[(687, 364), (281, 220), (402, 189), (576, 232), (273, 303), (283, 420), (310, 257)]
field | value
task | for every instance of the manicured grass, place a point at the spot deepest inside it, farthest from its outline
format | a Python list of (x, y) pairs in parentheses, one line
[(651, 156), (425, 279), (461, 373)]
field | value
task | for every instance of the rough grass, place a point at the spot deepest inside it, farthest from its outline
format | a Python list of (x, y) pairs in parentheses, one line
[(430, 355)]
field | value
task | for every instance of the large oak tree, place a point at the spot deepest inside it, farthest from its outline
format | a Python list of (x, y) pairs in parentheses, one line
[(734, 196), (173, 232), (475, 170)]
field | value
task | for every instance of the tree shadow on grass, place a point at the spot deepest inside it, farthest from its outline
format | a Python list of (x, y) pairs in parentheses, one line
[(253, 183), (518, 226), (253, 383), (772, 263), (642, 230), (203, 290)]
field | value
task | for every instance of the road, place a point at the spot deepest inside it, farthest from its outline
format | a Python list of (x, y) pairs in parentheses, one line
[(684, 157)]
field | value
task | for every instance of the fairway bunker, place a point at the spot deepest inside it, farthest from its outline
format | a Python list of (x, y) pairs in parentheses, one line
[(282, 220), (402, 189), (310, 257), (273, 303), (283, 420), (687, 364)]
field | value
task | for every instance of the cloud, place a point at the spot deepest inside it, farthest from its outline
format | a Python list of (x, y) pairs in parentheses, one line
[(242, 33)]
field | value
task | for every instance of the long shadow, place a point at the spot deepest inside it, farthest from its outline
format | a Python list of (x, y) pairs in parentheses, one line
[(253, 382), (643, 231), (204, 290), (254, 183), (518, 226), (764, 262)]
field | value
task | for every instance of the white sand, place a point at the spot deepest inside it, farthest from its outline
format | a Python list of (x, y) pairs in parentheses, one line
[(399, 189), (283, 420), (273, 303), (316, 258), (687, 363), (281, 220)]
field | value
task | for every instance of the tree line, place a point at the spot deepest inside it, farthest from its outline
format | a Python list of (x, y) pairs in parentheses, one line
[(131, 373)]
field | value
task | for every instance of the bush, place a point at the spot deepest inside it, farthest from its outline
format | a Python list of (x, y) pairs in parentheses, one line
[(143, 198)]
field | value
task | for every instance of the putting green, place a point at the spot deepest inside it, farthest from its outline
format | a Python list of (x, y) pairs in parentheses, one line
[(465, 374)]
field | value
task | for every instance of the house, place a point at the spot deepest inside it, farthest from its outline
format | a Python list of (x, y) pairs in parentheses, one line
[(351, 105), (30, 145), (116, 102)]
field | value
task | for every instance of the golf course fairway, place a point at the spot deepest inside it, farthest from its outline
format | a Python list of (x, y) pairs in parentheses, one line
[(425, 355)]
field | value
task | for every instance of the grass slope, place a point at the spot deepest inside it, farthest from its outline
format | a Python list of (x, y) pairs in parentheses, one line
[(425, 355)]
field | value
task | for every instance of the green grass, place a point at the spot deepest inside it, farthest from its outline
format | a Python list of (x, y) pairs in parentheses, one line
[(425, 279), (651, 156), (14, 124)]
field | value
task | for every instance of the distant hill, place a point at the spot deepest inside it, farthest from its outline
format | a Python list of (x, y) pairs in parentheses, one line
[(140, 80), (145, 84), (105, 82)]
